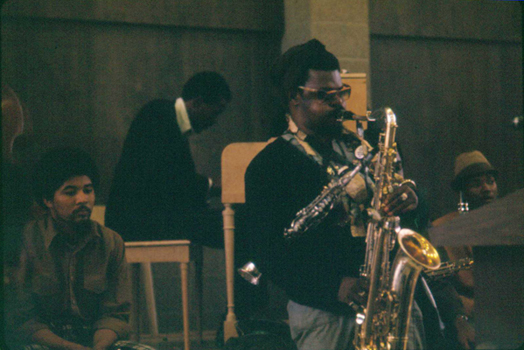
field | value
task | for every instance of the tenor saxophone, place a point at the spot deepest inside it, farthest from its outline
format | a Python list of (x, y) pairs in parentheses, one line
[(383, 322)]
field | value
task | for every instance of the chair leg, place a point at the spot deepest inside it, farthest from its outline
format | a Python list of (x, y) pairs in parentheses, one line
[(199, 289), (134, 319), (185, 305), (229, 247), (147, 276)]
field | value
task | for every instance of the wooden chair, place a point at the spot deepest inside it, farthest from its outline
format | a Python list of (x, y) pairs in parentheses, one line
[(179, 251), (145, 253), (235, 160), (146, 275)]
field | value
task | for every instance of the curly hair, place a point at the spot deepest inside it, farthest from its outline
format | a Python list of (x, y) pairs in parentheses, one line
[(56, 167), (291, 70)]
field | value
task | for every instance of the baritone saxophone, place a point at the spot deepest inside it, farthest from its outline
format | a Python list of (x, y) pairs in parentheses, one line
[(383, 322)]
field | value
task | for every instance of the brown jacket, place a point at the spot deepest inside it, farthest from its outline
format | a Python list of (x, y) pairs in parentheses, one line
[(87, 283)]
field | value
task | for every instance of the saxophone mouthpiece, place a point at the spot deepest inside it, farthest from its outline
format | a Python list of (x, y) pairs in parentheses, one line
[(348, 115), (345, 115)]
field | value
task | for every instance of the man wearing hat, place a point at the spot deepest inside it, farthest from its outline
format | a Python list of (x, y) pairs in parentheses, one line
[(475, 178), (475, 182)]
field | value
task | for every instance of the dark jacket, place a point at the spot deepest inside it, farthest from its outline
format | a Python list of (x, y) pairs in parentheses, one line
[(280, 181), (156, 193)]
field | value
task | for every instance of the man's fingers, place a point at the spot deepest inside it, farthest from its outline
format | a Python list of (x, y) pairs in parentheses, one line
[(401, 201)]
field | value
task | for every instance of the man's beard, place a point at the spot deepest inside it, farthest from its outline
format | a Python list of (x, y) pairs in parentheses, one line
[(74, 228), (333, 128), (81, 222)]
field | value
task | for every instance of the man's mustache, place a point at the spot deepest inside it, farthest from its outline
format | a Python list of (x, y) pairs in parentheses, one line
[(82, 208), (338, 113)]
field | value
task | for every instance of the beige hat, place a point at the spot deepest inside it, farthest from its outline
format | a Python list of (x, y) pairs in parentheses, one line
[(470, 164)]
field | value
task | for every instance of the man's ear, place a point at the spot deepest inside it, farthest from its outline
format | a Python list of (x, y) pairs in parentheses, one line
[(197, 102), (48, 203), (193, 106)]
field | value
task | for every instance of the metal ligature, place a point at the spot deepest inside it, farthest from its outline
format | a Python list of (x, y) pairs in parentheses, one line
[(383, 323)]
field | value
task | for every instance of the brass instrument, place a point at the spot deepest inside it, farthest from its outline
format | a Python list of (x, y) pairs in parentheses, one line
[(448, 268), (384, 321), (319, 208), (313, 214)]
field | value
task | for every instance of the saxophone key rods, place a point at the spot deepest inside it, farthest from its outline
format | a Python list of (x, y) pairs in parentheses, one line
[(383, 323)]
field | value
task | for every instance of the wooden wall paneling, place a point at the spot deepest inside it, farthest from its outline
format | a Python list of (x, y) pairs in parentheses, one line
[(49, 65), (84, 81), (244, 15), (450, 96), (453, 19), (453, 73)]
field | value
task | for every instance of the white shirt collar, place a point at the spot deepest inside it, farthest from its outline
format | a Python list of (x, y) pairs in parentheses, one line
[(182, 118)]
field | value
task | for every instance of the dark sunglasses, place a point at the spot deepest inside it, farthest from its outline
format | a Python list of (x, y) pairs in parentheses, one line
[(329, 96)]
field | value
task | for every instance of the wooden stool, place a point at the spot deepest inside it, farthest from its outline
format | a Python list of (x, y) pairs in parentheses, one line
[(145, 275), (145, 253), (180, 251)]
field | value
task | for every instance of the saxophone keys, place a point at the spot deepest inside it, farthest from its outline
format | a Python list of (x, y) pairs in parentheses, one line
[(361, 152)]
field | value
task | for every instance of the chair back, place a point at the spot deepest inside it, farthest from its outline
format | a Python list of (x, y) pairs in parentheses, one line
[(358, 102), (235, 160), (98, 214)]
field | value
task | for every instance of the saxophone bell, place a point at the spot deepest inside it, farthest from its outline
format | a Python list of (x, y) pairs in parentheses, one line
[(416, 253), (419, 249)]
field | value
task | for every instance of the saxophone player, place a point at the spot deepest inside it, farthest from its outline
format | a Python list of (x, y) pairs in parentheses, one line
[(319, 271)]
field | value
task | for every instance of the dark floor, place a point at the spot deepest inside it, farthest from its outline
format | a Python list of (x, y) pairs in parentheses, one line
[(175, 342)]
